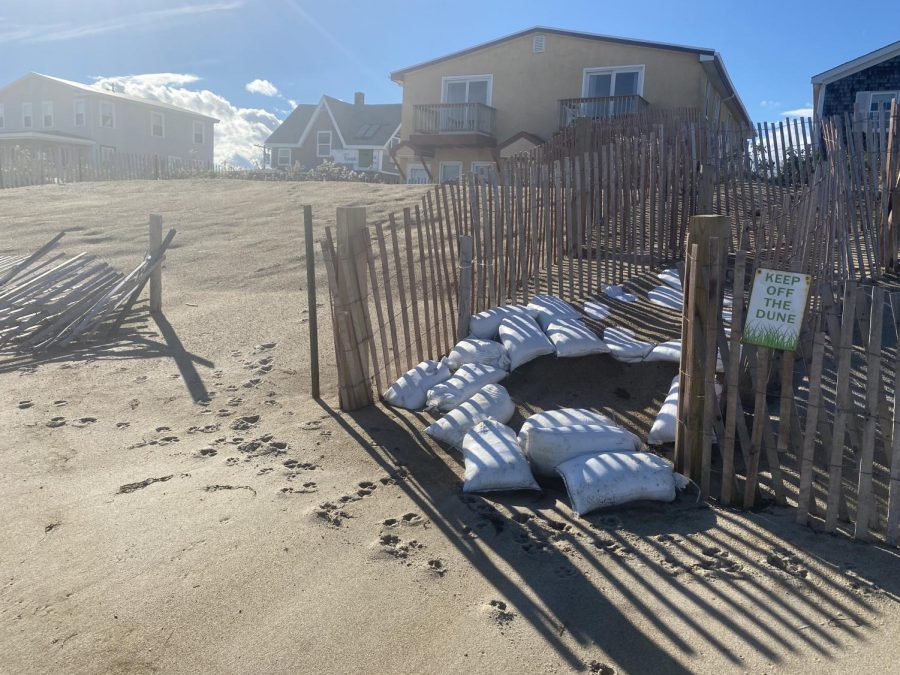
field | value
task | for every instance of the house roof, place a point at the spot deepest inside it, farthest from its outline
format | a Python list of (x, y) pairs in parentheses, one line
[(290, 131), (397, 75), (367, 125), (858, 64), (109, 94)]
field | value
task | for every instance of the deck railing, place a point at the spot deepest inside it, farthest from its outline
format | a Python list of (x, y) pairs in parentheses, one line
[(597, 107), (454, 118)]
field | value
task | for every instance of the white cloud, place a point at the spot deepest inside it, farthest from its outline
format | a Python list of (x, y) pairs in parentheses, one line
[(799, 112), (57, 32), (770, 104), (263, 87), (239, 129)]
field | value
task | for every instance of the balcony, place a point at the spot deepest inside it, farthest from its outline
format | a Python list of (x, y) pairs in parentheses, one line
[(597, 107), (453, 125)]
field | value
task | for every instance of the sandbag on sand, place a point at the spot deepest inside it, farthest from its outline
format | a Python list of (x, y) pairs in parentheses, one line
[(563, 417), (547, 448), (465, 383), (548, 308), (671, 278), (486, 324), (491, 402), (476, 350), (624, 346), (410, 390), (663, 429), (668, 297), (671, 351), (596, 310), (612, 478), (494, 460), (524, 340), (619, 293), (570, 338)]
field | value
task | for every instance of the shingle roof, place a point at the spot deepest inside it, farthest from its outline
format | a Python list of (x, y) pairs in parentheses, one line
[(367, 124), (113, 94), (290, 131)]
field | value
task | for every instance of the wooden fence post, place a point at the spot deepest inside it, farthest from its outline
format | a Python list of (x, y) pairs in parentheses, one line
[(709, 237), (465, 287), (156, 275), (311, 303), (353, 319)]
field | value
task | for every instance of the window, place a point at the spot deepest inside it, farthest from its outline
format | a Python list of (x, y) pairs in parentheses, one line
[(2, 116), (79, 112), (467, 89), (485, 170), (323, 144), (107, 114), (450, 172), (157, 124), (47, 114), (874, 107), (537, 44), (284, 156), (620, 86), (416, 175), (199, 132), (106, 153), (27, 117), (366, 159)]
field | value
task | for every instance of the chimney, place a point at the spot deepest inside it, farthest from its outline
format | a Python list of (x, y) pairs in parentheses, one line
[(359, 98)]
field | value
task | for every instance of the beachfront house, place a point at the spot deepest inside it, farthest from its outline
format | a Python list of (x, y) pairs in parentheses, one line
[(464, 111), (356, 135)]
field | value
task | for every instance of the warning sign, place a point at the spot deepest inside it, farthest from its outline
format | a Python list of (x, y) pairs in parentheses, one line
[(777, 304)]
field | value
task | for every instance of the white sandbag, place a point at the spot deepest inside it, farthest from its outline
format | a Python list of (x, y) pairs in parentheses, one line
[(524, 340), (563, 417), (671, 278), (494, 460), (486, 324), (624, 346), (619, 293), (596, 310), (668, 297), (572, 338), (491, 402), (476, 350), (465, 383), (410, 390), (548, 308), (663, 429), (612, 478), (547, 448), (671, 351)]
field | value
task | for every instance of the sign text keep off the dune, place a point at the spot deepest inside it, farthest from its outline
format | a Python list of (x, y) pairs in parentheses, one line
[(777, 304)]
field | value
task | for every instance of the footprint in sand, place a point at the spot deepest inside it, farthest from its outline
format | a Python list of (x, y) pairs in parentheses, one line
[(140, 378), (265, 346), (437, 566), (235, 401), (159, 430), (245, 422), (306, 488), (600, 668), (167, 440), (311, 425), (786, 561), (56, 422), (208, 452), (23, 405), (123, 425), (224, 412), (84, 422), (60, 403), (498, 611), (252, 384)]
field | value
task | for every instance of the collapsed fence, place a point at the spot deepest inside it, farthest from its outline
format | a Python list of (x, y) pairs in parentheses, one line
[(607, 200)]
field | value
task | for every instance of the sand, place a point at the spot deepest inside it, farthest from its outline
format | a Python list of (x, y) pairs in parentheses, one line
[(177, 503)]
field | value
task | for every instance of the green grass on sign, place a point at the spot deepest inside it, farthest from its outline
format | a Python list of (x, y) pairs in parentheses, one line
[(784, 339)]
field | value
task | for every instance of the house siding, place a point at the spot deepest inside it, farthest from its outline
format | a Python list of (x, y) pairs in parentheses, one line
[(840, 96)]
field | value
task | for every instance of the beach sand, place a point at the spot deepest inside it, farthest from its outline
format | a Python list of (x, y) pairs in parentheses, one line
[(177, 502)]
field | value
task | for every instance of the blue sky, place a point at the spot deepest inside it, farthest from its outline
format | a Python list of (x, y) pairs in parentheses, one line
[(305, 48)]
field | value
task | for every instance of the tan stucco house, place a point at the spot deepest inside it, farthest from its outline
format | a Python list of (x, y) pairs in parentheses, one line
[(464, 111)]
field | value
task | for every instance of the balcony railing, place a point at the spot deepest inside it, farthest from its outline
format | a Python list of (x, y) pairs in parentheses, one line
[(597, 107), (454, 118)]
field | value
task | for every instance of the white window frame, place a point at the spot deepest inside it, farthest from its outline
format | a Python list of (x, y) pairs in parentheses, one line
[(612, 70), (457, 164), (447, 79), (162, 124), (863, 100), (476, 165), (371, 166), (27, 113), (107, 152), (412, 166), (198, 124), (2, 116), (281, 154), (319, 144), (112, 115), (83, 104), (45, 107)]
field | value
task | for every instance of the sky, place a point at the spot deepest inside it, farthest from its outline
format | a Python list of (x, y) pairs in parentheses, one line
[(247, 62)]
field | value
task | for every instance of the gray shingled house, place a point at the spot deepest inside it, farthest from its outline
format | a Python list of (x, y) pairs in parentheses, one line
[(357, 135), (863, 88)]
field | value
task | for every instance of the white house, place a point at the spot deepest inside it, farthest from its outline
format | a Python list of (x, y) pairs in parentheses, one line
[(42, 114)]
